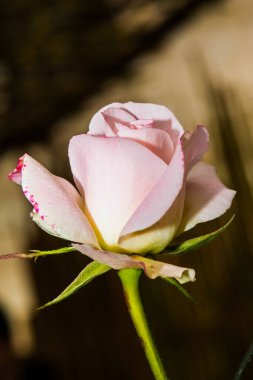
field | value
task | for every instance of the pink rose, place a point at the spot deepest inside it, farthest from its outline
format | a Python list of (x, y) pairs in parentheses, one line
[(140, 179)]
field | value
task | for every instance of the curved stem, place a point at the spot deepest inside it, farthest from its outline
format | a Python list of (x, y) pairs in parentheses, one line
[(244, 363), (130, 281)]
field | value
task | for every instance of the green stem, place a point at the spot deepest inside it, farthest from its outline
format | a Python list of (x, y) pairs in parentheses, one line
[(130, 281), (244, 363)]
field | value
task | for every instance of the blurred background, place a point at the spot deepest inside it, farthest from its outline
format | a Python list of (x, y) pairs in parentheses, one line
[(60, 62)]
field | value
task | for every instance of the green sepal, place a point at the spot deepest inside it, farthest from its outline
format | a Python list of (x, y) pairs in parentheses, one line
[(91, 271), (35, 253), (181, 289), (195, 243)]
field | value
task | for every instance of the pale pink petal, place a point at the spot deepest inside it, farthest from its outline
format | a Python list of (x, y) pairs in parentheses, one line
[(15, 175), (195, 145), (114, 119), (114, 260), (157, 237), (206, 197), (162, 196), (152, 268), (57, 206), (115, 175), (97, 125), (147, 123), (118, 115), (163, 117), (156, 140)]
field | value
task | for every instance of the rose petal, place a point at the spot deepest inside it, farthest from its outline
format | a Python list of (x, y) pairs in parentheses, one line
[(206, 197), (115, 175), (152, 268), (114, 260), (195, 145), (162, 196), (156, 140), (116, 118), (139, 124), (57, 204), (98, 124), (162, 116), (157, 237), (15, 175), (118, 115), (122, 124)]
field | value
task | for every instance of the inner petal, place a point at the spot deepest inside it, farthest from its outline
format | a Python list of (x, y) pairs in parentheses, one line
[(138, 124), (156, 140), (115, 117)]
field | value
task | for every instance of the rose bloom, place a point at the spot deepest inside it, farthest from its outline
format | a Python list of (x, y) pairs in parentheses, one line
[(140, 182)]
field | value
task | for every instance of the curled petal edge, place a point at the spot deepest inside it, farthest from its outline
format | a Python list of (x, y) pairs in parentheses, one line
[(152, 268)]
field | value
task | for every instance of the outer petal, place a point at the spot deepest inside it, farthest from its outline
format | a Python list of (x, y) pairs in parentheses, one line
[(155, 238), (15, 175), (115, 175), (57, 204), (195, 145), (152, 268), (162, 196), (206, 198)]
